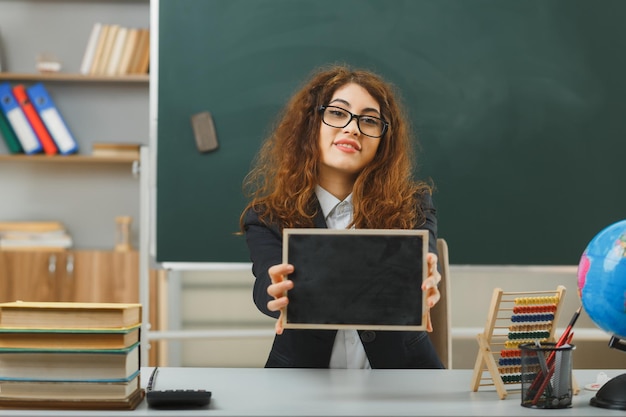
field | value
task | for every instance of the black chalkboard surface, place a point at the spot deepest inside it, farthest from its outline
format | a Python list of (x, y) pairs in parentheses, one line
[(357, 279), (518, 105)]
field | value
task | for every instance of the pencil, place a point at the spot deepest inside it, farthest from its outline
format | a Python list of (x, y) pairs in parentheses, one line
[(568, 329), (546, 381), (542, 380)]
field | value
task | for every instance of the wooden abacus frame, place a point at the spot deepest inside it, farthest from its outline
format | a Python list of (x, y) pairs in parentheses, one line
[(542, 306)]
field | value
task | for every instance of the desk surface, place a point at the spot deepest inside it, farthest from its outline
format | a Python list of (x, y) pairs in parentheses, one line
[(305, 392)]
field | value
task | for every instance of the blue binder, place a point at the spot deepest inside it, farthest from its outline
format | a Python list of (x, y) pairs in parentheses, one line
[(53, 120), (16, 117)]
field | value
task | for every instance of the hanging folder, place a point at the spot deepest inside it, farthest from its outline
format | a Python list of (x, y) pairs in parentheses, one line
[(19, 92), (16, 117), (52, 119), (6, 131)]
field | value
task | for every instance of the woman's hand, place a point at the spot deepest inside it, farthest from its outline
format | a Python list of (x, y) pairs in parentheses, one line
[(280, 284), (430, 286)]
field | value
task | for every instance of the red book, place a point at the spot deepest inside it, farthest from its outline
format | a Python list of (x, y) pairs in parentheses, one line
[(49, 147)]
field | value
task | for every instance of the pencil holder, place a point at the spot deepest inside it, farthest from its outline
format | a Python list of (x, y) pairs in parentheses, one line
[(546, 375)]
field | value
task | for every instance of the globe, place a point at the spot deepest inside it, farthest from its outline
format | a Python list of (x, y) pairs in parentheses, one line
[(602, 290), (602, 279)]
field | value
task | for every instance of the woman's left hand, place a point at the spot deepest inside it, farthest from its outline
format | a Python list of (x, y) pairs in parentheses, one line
[(430, 285)]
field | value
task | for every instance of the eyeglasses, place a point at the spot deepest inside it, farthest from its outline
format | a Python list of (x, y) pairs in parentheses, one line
[(371, 126)]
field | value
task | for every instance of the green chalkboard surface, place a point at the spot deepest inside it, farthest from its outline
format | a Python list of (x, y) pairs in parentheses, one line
[(353, 292), (519, 107)]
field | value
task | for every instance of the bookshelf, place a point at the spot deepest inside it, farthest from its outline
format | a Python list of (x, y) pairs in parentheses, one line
[(84, 192), (67, 159), (51, 77)]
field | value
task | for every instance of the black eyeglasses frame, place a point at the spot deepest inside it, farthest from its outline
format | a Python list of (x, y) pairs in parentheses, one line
[(321, 109)]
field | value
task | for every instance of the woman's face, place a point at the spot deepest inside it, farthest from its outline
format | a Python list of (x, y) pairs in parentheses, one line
[(345, 151)]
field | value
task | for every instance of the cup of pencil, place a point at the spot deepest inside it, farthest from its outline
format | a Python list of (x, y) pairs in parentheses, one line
[(546, 375)]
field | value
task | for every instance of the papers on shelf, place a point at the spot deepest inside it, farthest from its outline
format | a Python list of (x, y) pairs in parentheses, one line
[(34, 235), (116, 150)]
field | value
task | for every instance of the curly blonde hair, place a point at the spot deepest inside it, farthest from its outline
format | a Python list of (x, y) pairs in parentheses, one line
[(281, 183)]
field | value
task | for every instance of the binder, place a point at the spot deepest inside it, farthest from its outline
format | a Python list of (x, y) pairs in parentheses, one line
[(52, 119), (16, 117), (19, 91), (6, 131)]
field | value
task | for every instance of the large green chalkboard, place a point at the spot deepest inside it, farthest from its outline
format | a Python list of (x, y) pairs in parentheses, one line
[(520, 107)]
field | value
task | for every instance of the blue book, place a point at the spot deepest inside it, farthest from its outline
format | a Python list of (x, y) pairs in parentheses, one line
[(52, 119), (16, 117)]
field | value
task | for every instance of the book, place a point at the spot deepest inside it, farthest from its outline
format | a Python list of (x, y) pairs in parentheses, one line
[(34, 235), (9, 136), (61, 368), (116, 51), (16, 117), (143, 63), (67, 315), (129, 403), (90, 50), (127, 53), (49, 147), (64, 390), (37, 226), (15, 240), (122, 150), (104, 31), (143, 42), (106, 50), (69, 338), (69, 365), (52, 119)]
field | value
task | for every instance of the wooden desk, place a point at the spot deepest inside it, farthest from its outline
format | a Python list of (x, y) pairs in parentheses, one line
[(302, 392)]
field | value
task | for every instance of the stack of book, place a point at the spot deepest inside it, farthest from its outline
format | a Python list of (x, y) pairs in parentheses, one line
[(114, 50), (70, 355), (30, 122), (34, 236)]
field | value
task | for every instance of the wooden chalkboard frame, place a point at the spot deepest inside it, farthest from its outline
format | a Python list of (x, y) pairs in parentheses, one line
[(331, 267)]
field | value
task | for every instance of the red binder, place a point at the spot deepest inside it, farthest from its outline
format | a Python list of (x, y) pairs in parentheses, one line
[(49, 147)]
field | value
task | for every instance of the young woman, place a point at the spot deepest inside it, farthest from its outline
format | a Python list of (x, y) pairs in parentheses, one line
[(339, 157)]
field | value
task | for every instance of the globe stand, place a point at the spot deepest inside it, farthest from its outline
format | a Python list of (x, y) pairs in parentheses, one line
[(613, 393)]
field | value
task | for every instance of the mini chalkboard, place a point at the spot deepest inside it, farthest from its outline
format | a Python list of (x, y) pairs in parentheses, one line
[(356, 279)]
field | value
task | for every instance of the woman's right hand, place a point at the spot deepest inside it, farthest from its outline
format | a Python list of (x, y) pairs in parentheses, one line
[(280, 284)]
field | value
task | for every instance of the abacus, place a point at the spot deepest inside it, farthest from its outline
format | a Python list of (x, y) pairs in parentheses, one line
[(514, 318)]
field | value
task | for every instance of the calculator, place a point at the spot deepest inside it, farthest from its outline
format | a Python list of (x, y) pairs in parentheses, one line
[(175, 398)]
